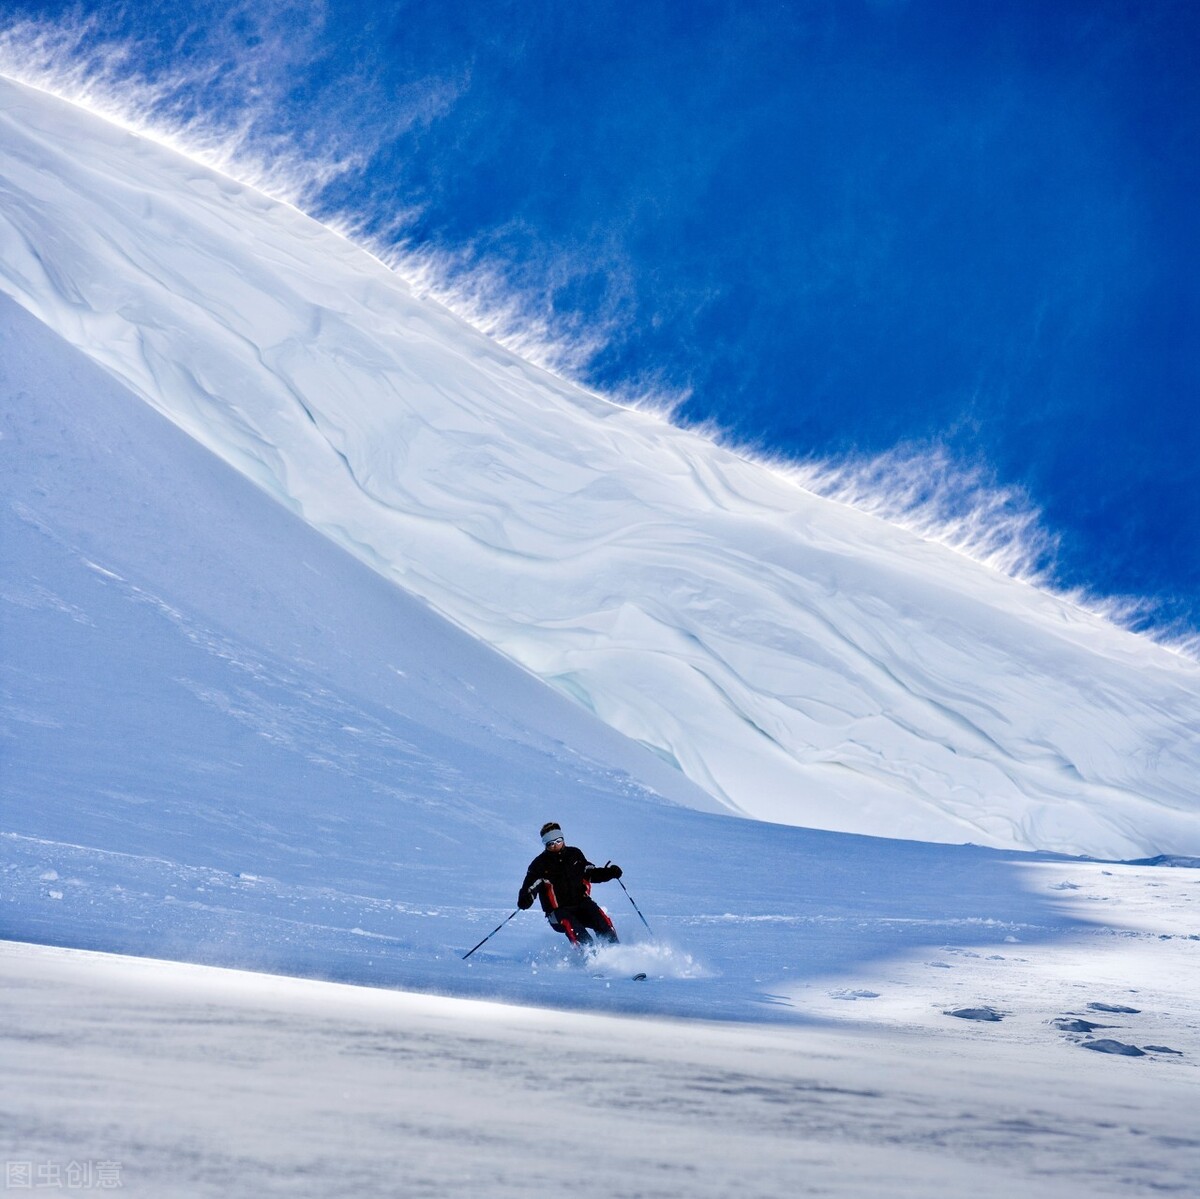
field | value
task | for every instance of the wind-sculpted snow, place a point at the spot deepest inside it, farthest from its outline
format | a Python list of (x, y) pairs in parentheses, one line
[(802, 662)]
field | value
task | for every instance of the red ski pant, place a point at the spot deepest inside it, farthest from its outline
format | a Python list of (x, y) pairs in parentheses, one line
[(580, 920)]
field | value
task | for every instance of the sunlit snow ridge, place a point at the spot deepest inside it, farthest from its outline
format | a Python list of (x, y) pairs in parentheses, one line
[(918, 487), (801, 660)]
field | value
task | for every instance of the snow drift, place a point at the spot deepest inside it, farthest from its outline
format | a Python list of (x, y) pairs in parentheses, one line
[(798, 660)]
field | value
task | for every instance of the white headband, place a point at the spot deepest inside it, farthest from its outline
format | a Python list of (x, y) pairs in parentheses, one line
[(552, 834)]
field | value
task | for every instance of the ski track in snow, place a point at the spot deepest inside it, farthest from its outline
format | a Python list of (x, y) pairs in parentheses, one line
[(799, 661)]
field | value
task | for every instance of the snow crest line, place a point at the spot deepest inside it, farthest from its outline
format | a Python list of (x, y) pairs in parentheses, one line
[(802, 662)]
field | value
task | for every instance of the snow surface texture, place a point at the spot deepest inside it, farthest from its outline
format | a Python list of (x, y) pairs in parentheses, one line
[(189, 1081), (799, 661)]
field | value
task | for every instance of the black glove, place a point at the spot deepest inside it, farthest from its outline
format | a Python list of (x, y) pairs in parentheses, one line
[(525, 900), (614, 871)]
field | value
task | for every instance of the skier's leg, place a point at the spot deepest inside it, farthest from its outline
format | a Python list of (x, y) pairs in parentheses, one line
[(596, 918), (575, 929)]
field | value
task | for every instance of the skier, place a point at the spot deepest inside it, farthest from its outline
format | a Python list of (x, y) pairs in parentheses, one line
[(562, 878)]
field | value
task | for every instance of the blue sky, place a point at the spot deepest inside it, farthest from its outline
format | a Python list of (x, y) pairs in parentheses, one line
[(835, 227)]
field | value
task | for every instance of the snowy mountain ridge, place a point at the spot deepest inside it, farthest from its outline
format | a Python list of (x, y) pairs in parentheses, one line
[(797, 660)]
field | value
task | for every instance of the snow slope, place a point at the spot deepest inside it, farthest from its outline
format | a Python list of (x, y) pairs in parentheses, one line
[(799, 661), (227, 740), (190, 1081)]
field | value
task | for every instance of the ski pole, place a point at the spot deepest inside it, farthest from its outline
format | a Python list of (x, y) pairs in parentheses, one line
[(491, 934), (636, 908)]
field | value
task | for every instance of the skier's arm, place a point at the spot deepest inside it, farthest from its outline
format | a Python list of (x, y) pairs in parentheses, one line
[(528, 889), (601, 874)]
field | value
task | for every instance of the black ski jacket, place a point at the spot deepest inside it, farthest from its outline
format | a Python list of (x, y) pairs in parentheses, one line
[(566, 878)]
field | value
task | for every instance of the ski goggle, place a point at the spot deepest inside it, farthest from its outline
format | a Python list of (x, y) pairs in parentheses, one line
[(556, 841)]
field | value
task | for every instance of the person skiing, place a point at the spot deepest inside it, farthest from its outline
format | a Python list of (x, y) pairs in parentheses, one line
[(561, 877)]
